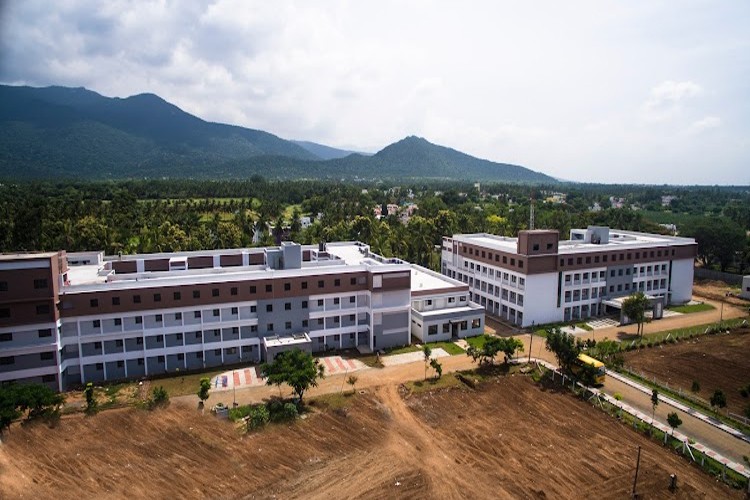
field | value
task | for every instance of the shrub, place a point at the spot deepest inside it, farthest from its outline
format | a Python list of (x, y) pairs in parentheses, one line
[(289, 411), (618, 396), (258, 417), (90, 399), (159, 397), (696, 387)]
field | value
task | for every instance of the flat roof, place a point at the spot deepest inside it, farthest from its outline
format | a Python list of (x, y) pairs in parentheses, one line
[(26, 256), (422, 279), (295, 339), (618, 240)]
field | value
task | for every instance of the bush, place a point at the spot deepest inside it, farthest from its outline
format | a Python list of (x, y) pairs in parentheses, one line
[(258, 417), (289, 411), (159, 397), (618, 396), (696, 387)]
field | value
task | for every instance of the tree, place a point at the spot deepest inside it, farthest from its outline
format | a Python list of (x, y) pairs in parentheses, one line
[(352, 381), (564, 347), (205, 386), (509, 347), (718, 400), (654, 403), (635, 307), (485, 354), (674, 421), (435, 364), (36, 399), (90, 400), (426, 352), (296, 368), (159, 397), (609, 352)]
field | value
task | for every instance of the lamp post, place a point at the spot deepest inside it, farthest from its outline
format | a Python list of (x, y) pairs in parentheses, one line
[(234, 391)]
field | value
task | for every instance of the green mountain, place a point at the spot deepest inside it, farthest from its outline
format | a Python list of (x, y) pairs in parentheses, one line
[(59, 132)]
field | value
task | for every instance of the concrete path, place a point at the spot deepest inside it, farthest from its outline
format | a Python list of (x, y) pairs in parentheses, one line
[(411, 357)]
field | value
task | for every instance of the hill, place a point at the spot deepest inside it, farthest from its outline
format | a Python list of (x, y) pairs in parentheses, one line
[(59, 132), (324, 152)]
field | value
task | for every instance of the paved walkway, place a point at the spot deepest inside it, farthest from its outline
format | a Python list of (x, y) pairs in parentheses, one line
[(250, 377), (411, 357)]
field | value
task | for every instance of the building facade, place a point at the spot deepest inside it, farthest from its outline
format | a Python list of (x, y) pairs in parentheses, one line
[(537, 279), (68, 319)]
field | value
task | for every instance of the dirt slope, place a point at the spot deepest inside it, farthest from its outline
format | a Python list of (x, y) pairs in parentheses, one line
[(507, 439)]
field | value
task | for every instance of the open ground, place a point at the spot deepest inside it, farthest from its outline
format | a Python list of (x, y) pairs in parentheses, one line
[(508, 438), (718, 361)]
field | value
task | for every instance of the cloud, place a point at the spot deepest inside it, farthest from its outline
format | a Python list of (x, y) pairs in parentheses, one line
[(667, 99), (707, 123)]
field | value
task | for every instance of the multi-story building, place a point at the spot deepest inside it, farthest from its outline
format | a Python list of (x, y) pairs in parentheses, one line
[(67, 319), (535, 278)]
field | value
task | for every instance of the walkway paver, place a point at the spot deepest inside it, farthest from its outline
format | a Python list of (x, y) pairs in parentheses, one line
[(411, 357)]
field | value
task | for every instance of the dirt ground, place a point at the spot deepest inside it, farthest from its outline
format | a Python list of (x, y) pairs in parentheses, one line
[(715, 361), (718, 290), (509, 438)]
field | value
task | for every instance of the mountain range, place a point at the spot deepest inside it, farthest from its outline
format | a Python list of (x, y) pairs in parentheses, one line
[(61, 132)]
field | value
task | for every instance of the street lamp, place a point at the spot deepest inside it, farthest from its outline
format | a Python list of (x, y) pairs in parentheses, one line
[(531, 340), (234, 391)]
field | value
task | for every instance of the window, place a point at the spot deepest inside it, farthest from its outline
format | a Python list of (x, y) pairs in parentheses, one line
[(178, 336), (337, 282), (160, 359), (253, 328), (428, 302), (139, 341), (159, 318), (94, 302), (3, 286), (178, 316), (287, 287), (269, 308), (288, 325), (214, 292), (46, 356), (157, 297), (253, 289), (197, 314), (7, 360), (352, 299), (446, 327), (233, 290), (198, 335), (320, 302), (118, 321), (535, 247), (136, 299), (304, 304), (138, 320), (8, 337), (304, 323), (115, 301), (451, 300), (96, 323), (432, 330), (288, 306), (215, 313), (269, 288), (177, 296), (97, 345), (118, 343), (40, 284), (196, 294), (269, 327), (353, 281), (140, 361), (336, 301), (42, 309), (476, 323), (253, 309), (464, 325), (235, 311), (321, 283)]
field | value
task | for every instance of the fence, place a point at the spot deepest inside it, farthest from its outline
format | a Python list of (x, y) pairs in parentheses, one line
[(710, 274)]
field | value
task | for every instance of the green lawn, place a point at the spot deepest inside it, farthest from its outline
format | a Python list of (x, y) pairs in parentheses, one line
[(478, 341), (402, 350), (448, 347), (691, 308)]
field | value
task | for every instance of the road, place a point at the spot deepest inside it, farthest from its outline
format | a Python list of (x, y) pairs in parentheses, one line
[(706, 434)]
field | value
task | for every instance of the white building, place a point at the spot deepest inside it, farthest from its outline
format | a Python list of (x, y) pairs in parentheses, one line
[(535, 278)]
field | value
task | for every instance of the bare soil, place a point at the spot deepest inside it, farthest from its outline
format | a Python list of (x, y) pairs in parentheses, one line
[(718, 361), (718, 290), (509, 438)]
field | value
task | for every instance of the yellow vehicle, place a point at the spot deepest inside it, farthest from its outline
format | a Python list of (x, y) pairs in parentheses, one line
[(598, 366)]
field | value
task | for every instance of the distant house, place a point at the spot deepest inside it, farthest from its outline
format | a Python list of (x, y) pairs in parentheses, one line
[(667, 200), (305, 222), (392, 209)]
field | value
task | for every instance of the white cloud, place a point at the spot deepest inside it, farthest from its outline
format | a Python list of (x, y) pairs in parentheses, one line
[(540, 85)]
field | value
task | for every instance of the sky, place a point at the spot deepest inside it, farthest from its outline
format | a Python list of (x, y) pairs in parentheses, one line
[(654, 92)]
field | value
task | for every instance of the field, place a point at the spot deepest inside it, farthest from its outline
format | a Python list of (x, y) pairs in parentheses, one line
[(508, 438), (714, 361)]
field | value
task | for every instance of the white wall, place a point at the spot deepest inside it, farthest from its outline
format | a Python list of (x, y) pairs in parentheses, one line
[(682, 281), (540, 302)]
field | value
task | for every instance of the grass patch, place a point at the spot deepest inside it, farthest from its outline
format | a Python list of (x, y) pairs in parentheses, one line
[(432, 383), (332, 401), (477, 342), (183, 385), (402, 350), (691, 308), (448, 347)]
